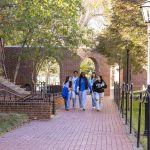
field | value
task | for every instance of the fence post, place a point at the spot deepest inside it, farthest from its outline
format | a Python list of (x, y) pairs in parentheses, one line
[(127, 89), (139, 121), (118, 100), (122, 102), (148, 129), (115, 91), (53, 103), (131, 99), (146, 116)]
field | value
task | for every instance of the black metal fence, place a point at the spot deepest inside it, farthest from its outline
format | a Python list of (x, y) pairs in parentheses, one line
[(43, 94), (126, 99), (43, 88), (8, 95)]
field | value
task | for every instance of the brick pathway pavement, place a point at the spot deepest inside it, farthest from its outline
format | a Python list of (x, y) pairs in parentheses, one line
[(73, 130)]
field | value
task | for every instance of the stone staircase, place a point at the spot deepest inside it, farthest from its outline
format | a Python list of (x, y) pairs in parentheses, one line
[(6, 84)]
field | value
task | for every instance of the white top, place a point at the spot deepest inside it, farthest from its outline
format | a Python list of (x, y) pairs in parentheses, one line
[(74, 82)]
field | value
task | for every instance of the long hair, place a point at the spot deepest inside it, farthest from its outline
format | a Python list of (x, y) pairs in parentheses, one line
[(67, 79), (101, 78), (82, 75), (93, 73)]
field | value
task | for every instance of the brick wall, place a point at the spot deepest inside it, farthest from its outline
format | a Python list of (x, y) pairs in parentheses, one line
[(138, 79), (34, 110), (25, 71)]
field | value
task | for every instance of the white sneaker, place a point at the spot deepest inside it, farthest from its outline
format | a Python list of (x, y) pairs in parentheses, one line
[(93, 108)]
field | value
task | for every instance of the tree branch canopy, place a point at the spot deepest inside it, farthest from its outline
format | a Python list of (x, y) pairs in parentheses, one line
[(126, 25)]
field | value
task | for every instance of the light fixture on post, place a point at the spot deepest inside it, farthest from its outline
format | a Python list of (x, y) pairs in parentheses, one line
[(146, 15)]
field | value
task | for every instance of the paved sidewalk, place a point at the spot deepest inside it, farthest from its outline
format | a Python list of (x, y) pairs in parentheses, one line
[(73, 130)]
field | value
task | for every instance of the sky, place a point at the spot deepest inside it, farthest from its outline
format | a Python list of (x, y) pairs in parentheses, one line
[(95, 11)]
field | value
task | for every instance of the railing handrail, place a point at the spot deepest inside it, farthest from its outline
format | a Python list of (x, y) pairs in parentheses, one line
[(11, 93), (127, 98), (140, 91)]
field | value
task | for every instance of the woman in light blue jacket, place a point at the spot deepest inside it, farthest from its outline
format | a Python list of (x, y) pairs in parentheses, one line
[(92, 80), (83, 84)]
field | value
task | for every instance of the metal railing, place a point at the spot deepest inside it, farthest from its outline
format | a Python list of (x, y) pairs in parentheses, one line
[(125, 102), (44, 94), (8, 96), (48, 98), (43, 88)]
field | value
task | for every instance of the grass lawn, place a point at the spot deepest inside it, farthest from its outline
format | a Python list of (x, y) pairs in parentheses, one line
[(11, 121), (135, 113)]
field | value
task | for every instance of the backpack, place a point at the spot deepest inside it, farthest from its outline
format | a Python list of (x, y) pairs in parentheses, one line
[(64, 92)]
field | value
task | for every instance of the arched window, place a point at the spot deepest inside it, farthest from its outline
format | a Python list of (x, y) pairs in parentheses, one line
[(87, 66), (49, 72)]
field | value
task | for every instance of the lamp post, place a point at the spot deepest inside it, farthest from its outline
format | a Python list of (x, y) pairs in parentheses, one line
[(146, 16), (119, 59), (127, 85)]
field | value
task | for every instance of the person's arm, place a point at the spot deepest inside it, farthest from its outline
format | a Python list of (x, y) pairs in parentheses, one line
[(89, 85), (94, 86)]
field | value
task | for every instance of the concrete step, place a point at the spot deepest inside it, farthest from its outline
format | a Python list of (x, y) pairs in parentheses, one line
[(13, 87)]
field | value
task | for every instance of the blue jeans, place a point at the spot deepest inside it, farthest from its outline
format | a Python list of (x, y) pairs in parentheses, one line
[(93, 100), (82, 98), (67, 102), (98, 98), (74, 99)]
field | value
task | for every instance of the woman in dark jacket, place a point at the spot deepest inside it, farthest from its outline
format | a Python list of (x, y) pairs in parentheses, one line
[(98, 89)]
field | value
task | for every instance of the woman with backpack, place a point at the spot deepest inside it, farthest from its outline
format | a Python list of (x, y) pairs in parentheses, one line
[(98, 89), (83, 84), (66, 92)]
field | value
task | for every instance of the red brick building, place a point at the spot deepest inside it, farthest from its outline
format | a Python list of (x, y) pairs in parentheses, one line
[(67, 66)]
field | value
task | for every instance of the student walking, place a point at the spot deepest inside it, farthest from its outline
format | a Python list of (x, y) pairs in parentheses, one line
[(92, 80), (83, 84), (73, 94), (66, 92), (98, 89)]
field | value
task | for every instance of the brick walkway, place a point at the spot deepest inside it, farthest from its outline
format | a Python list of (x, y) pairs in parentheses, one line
[(73, 130)]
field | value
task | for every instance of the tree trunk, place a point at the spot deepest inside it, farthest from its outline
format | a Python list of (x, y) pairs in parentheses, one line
[(20, 55), (2, 59), (18, 65), (48, 72)]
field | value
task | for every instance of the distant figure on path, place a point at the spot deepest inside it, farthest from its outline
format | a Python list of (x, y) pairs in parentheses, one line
[(66, 92), (73, 94), (83, 84), (92, 80), (98, 89)]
